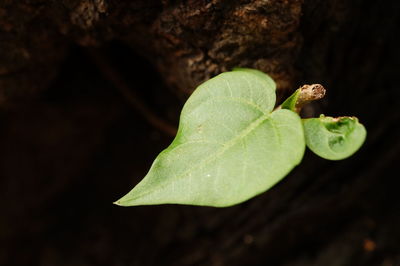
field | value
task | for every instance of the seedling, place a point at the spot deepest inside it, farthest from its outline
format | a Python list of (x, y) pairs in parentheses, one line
[(232, 144)]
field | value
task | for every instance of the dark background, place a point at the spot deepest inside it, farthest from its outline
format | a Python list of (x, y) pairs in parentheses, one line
[(72, 141)]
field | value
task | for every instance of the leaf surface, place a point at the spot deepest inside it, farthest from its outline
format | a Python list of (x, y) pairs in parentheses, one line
[(334, 138), (230, 146)]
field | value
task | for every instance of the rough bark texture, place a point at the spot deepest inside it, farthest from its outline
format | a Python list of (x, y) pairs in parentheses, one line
[(70, 144), (189, 42)]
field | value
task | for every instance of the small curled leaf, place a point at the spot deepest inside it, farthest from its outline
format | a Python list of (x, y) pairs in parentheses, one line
[(334, 138), (290, 103)]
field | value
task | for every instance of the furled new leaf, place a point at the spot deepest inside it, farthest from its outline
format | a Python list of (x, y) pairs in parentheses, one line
[(334, 138), (230, 145), (290, 103)]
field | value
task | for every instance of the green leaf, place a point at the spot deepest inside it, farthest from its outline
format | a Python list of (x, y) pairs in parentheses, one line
[(334, 138), (230, 146), (290, 103)]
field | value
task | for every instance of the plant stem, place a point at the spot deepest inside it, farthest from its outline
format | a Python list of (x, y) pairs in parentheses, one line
[(302, 96), (309, 93)]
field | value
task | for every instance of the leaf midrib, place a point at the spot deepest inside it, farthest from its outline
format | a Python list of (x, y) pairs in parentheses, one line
[(215, 155)]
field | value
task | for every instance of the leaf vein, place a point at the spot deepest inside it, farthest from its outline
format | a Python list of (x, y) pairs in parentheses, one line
[(213, 156)]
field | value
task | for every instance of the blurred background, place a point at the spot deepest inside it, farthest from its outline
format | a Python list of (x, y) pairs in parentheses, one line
[(89, 92)]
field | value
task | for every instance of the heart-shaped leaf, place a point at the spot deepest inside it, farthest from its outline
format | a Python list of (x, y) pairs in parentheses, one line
[(230, 146), (334, 138)]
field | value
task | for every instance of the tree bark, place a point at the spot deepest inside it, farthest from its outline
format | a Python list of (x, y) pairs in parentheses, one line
[(71, 144)]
